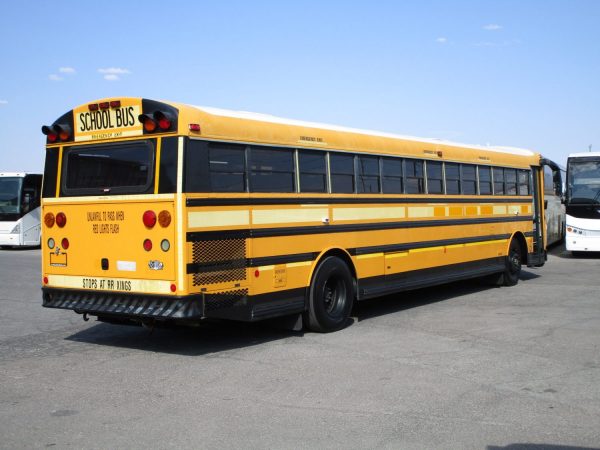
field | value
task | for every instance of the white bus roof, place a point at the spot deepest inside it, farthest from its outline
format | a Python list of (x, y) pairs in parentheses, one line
[(280, 120), (13, 174), (585, 155)]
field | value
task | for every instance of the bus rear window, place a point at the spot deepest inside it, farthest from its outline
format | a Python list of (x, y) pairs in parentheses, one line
[(125, 168)]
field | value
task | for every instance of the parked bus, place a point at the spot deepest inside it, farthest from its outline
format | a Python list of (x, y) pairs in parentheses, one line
[(20, 209), (159, 211), (554, 202), (583, 202)]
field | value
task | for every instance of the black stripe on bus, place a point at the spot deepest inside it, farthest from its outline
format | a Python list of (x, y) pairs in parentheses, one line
[(346, 200), (215, 266), (195, 236), (420, 245)]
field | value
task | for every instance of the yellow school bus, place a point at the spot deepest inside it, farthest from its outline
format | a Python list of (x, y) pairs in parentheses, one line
[(156, 211)]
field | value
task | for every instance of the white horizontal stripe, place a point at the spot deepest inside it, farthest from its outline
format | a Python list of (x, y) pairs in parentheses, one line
[(212, 219)]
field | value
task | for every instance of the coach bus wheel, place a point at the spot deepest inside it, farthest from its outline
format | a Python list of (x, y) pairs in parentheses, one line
[(513, 264), (330, 296)]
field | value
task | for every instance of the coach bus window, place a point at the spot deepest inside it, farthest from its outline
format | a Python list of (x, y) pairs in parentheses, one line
[(452, 179), (313, 171), (485, 180), (469, 179), (435, 181), (391, 175), (271, 170), (498, 174), (414, 177), (342, 173), (510, 177), (367, 174), (523, 182)]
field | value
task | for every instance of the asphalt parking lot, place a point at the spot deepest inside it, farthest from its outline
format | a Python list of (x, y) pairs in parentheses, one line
[(461, 366)]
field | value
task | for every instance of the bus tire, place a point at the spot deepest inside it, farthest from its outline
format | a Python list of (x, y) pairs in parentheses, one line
[(512, 271), (330, 296)]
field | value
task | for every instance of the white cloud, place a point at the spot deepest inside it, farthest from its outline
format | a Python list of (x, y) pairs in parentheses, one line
[(492, 27), (54, 77), (3, 102), (113, 73), (442, 40), (68, 70)]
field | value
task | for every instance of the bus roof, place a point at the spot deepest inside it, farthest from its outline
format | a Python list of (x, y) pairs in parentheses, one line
[(259, 117), (17, 174), (585, 155)]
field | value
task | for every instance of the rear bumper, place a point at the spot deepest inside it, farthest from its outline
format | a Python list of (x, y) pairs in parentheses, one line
[(234, 305)]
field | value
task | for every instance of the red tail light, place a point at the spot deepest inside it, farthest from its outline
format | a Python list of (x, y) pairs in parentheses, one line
[(149, 219), (64, 132), (147, 245), (61, 219), (65, 243), (163, 119), (50, 133)]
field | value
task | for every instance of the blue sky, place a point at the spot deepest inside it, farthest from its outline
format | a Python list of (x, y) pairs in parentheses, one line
[(517, 73)]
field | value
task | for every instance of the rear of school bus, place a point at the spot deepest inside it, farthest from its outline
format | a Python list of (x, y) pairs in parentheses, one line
[(109, 212)]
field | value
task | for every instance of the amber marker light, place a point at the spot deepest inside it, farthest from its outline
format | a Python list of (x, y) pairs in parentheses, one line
[(164, 218), (49, 220)]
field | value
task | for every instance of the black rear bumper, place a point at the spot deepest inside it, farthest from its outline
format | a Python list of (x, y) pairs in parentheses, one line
[(234, 305)]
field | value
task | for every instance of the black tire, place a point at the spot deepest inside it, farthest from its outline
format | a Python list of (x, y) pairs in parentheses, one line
[(330, 296), (511, 274)]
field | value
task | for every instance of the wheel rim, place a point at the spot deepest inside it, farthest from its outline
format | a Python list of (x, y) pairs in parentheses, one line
[(333, 295), (514, 261)]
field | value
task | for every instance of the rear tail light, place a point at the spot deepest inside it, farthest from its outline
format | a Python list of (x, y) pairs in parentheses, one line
[(50, 133), (57, 132), (163, 119), (157, 121), (148, 121), (64, 132), (147, 245), (164, 218), (65, 243), (149, 219), (61, 219), (49, 220)]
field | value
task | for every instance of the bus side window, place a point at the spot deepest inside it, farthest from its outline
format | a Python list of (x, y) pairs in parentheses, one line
[(523, 180), (367, 174), (485, 180), (414, 176), (342, 173), (391, 175), (468, 179), (271, 170), (498, 173), (313, 171), (452, 178), (435, 180)]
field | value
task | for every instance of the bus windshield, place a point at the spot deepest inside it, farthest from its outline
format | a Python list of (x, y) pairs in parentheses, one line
[(125, 168), (10, 189), (584, 181)]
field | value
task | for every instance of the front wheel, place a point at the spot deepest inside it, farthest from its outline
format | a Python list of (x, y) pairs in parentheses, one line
[(330, 296)]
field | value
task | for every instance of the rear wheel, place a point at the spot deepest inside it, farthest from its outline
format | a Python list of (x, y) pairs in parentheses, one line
[(513, 264), (330, 296)]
